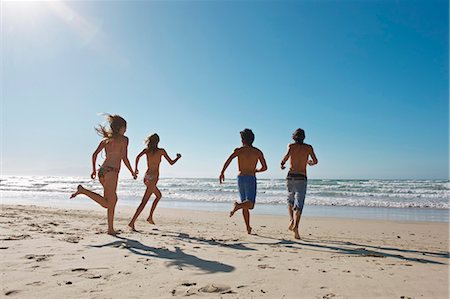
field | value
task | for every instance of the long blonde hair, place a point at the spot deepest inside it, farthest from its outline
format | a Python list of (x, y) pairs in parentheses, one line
[(152, 143), (116, 122)]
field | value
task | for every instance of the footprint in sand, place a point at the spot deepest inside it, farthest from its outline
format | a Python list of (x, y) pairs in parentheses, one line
[(208, 289), (91, 276), (72, 239), (265, 267), (261, 258), (35, 283), (15, 238), (213, 288), (38, 257), (36, 226)]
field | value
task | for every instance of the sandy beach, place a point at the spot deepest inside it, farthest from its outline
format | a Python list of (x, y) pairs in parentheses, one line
[(65, 253)]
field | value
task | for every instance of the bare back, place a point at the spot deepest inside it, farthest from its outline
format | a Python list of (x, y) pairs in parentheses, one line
[(248, 158), (153, 162), (299, 155), (114, 149)]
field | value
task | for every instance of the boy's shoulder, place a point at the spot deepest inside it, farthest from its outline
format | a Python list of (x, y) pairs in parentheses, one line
[(237, 150), (257, 148), (297, 144), (246, 148)]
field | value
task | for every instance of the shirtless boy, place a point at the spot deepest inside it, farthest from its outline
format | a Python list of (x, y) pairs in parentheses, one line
[(299, 154), (248, 157)]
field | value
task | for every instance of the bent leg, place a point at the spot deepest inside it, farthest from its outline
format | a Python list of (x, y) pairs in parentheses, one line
[(155, 203), (92, 195), (244, 205), (141, 207)]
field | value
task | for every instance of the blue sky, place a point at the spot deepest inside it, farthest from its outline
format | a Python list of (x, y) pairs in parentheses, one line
[(367, 80)]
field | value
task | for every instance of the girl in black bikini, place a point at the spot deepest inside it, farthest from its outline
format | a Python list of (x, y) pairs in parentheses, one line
[(115, 145)]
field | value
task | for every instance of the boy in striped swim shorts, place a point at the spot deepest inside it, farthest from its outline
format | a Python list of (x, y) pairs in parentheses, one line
[(299, 154)]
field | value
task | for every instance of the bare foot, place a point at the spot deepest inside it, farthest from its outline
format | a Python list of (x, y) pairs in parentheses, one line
[(234, 209), (79, 189), (249, 230), (131, 225), (296, 235), (150, 220), (112, 233), (291, 225)]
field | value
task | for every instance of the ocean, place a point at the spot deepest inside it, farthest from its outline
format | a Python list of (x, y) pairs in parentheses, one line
[(409, 200)]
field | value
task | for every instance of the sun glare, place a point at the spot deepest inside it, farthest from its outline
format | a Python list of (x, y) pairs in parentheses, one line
[(21, 11), (32, 14)]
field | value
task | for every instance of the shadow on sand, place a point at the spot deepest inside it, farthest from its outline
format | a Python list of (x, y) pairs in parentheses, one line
[(211, 241), (354, 249), (342, 247), (176, 258)]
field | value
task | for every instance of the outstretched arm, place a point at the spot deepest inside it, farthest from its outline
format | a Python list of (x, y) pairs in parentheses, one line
[(100, 147), (314, 160), (125, 159), (262, 160), (225, 166), (136, 171), (171, 162), (286, 157)]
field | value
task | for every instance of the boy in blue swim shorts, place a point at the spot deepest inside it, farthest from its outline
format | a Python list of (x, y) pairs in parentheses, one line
[(248, 157), (299, 153)]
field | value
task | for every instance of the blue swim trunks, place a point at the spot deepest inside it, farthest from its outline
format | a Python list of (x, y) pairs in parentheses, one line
[(247, 187)]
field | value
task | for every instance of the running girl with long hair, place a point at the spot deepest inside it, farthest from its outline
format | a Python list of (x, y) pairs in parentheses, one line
[(154, 155), (115, 144)]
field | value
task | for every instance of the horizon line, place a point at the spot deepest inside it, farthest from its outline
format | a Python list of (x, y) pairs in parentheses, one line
[(233, 178)]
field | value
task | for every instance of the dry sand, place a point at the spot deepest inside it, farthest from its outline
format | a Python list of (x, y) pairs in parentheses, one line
[(65, 253)]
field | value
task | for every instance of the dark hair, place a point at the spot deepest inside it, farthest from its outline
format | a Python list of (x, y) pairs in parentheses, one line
[(152, 143), (247, 137), (116, 122), (299, 135)]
